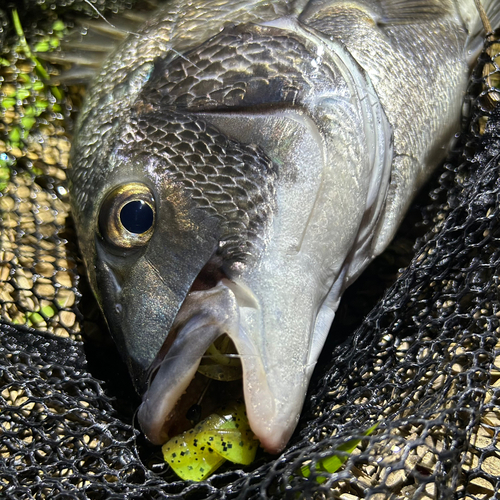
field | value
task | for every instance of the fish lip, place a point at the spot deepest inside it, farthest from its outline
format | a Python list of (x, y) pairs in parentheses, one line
[(174, 368)]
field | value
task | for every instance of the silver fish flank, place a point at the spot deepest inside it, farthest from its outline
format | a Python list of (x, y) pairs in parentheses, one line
[(239, 163)]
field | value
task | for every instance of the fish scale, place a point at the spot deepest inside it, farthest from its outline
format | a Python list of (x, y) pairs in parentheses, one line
[(246, 185), (244, 75)]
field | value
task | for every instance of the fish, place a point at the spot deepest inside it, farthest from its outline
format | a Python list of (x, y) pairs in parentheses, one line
[(237, 165)]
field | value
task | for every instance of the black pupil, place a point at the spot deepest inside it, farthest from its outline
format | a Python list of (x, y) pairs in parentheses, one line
[(136, 216)]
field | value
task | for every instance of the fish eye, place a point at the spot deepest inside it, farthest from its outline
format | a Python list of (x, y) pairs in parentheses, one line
[(127, 215), (137, 216)]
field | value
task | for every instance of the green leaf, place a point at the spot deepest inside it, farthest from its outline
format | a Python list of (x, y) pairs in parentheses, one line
[(58, 26), (4, 62), (29, 111), (48, 311), (333, 463), (15, 135), (4, 173), (41, 47), (8, 102), (23, 94), (17, 24), (35, 318), (38, 86), (26, 48), (41, 105), (58, 95), (27, 122)]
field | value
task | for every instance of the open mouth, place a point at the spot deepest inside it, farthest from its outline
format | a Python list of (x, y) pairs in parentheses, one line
[(220, 349), (217, 382), (199, 367)]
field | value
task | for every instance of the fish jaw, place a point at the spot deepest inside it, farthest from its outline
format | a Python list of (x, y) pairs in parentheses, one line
[(205, 316)]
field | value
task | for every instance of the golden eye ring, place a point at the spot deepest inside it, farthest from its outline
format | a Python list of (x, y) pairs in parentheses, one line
[(127, 215)]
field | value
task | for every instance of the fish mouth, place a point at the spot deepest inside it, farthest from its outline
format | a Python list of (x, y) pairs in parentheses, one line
[(207, 318), (212, 385)]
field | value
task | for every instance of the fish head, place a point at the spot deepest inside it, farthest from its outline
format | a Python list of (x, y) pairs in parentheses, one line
[(178, 207), (236, 197)]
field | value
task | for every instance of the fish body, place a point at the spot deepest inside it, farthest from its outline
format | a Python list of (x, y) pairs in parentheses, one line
[(237, 165)]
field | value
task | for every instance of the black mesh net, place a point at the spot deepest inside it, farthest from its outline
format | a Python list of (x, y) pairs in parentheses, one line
[(424, 364)]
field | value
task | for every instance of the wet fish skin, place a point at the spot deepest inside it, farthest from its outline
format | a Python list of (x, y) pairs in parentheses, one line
[(281, 140)]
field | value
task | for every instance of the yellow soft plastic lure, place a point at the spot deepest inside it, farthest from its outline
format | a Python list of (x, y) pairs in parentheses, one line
[(199, 452)]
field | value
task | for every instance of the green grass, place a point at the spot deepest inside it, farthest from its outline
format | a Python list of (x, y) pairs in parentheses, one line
[(27, 96)]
